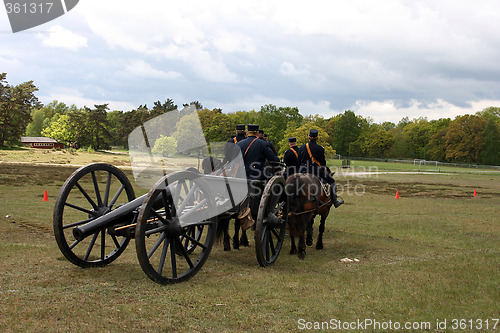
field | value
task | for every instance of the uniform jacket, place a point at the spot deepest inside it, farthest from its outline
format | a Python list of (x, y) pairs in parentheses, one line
[(256, 156), (229, 148), (307, 165), (291, 160)]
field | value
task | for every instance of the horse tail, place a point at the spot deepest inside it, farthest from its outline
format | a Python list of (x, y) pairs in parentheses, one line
[(295, 203)]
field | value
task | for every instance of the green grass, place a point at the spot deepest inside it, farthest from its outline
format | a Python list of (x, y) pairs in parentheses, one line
[(431, 255)]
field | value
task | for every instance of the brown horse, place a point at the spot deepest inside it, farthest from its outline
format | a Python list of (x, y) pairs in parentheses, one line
[(307, 199), (209, 166)]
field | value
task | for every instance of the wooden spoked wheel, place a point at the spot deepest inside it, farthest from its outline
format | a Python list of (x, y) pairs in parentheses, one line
[(175, 228), (270, 227), (91, 192)]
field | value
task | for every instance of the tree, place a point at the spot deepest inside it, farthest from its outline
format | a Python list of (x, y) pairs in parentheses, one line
[(374, 141), (491, 112), (161, 108), (464, 138), (165, 145), (187, 133), (273, 120), (35, 128), (97, 132), (436, 148), (379, 143), (347, 129), (60, 129), (490, 153), (196, 104), (16, 103), (302, 134), (417, 135), (216, 125)]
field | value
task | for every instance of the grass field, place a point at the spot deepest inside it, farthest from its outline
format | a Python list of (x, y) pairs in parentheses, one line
[(429, 256)]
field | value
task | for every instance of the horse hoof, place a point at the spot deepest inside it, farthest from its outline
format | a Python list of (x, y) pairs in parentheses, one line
[(227, 248), (302, 255), (319, 246), (236, 244), (292, 252), (309, 242), (244, 242)]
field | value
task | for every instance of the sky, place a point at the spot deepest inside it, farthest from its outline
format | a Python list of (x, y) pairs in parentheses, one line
[(381, 59)]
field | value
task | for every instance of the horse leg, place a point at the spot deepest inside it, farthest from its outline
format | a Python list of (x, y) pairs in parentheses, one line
[(309, 239), (227, 243), (244, 239), (222, 230), (302, 247), (236, 237), (293, 249), (319, 243)]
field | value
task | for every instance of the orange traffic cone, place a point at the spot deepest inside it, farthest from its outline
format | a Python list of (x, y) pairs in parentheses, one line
[(397, 195), (45, 196), (475, 193)]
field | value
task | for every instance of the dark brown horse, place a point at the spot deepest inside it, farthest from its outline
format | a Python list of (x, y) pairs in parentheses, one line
[(308, 198), (209, 166)]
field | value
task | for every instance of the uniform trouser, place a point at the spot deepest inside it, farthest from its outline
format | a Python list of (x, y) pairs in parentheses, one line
[(255, 189)]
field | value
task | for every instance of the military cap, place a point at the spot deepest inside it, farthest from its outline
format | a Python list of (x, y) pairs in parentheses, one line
[(292, 139), (240, 127), (261, 131), (313, 133), (252, 127)]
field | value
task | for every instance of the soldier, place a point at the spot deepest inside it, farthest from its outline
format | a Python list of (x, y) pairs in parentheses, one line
[(270, 144), (230, 149), (312, 160), (255, 153), (240, 133), (291, 157)]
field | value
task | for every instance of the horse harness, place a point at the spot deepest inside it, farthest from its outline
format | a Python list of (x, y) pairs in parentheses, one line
[(317, 201)]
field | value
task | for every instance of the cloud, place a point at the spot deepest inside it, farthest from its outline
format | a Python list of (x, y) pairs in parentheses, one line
[(391, 111), (72, 96), (385, 59), (289, 69), (59, 37), (140, 68)]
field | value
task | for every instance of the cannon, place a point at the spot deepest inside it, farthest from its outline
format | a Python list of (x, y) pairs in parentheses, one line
[(96, 214)]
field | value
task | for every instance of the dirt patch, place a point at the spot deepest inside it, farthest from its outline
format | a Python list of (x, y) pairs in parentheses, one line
[(421, 189), (32, 228), (25, 175)]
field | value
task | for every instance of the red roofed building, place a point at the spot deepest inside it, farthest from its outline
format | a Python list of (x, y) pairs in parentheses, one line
[(41, 142)]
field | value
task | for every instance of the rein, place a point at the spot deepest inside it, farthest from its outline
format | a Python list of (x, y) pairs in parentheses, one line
[(315, 208)]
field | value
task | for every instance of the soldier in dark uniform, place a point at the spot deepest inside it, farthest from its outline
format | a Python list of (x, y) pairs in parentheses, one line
[(240, 133), (230, 149), (312, 160), (291, 158), (255, 153), (270, 144)]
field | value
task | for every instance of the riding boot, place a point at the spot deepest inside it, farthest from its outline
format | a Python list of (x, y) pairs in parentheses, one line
[(333, 192)]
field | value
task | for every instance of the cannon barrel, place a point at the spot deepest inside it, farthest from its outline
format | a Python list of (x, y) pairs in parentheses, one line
[(123, 213)]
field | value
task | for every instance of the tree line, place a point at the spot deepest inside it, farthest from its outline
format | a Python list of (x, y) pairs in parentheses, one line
[(469, 138)]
